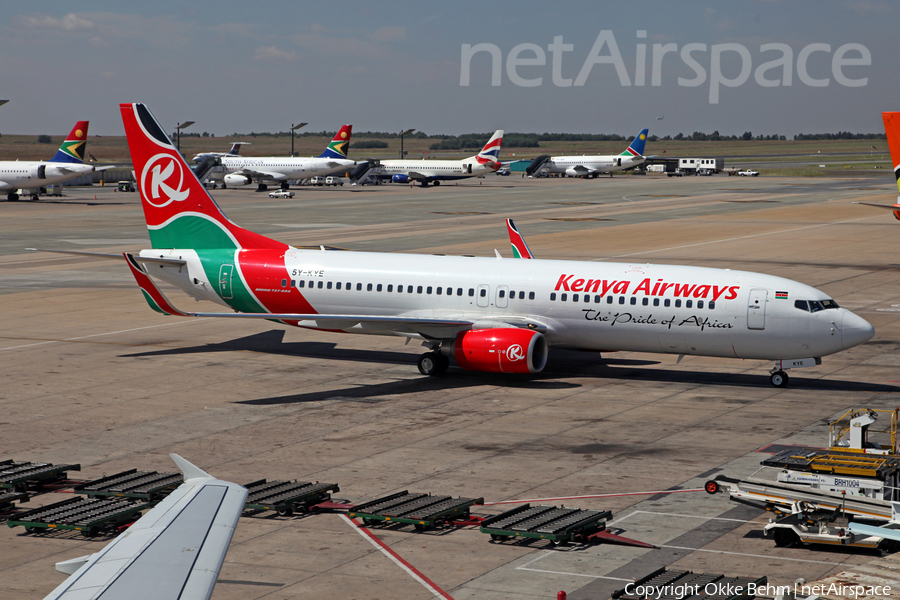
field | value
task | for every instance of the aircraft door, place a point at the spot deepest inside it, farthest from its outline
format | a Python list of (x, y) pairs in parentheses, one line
[(756, 309), (225, 274), (467, 169), (42, 172), (502, 300), (483, 295)]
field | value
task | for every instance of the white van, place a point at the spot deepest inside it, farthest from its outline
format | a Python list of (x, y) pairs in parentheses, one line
[(332, 180), (317, 180)]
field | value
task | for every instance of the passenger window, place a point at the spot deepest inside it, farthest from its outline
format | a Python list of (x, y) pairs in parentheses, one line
[(801, 304), (667, 302), (699, 303), (621, 299), (459, 291), (689, 303), (587, 298), (419, 290), (338, 285), (521, 295), (284, 283), (633, 301), (329, 285), (656, 302), (301, 283), (409, 289), (390, 288), (292, 283), (563, 297), (712, 304), (369, 287), (320, 285), (359, 287), (552, 297), (428, 290), (312, 284), (502, 294), (399, 289), (439, 291), (378, 289), (531, 295), (512, 295), (609, 299), (348, 286), (678, 303), (645, 301), (471, 291), (574, 297), (597, 299)]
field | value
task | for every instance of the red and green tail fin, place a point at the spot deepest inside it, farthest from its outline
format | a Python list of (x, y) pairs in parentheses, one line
[(892, 129), (179, 211)]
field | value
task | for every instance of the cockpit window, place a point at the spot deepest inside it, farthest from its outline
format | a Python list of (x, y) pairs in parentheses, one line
[(815, 305), (801, 304), (826, 304)]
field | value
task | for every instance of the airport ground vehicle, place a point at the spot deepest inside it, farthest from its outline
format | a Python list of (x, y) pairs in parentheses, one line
[(317, 180), (125, 186), (334, 180), (748, 173), (675, 173), (281, 194)]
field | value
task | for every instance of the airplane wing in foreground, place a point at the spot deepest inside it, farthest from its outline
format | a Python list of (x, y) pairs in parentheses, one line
[(257, 173), (174, 552)]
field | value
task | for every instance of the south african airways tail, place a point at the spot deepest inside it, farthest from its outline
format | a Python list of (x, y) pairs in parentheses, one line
[(338, 147)]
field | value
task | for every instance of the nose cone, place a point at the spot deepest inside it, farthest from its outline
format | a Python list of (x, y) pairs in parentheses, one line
[(855, 330)]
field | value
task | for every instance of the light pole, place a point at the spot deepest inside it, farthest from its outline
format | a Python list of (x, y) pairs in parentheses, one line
[(402, 134), (293, 129), (178, 129)]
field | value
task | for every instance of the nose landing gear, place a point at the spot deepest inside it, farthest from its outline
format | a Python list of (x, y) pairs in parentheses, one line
[(779, 378)]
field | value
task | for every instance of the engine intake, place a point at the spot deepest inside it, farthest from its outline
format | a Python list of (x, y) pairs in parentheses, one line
[(235, 179), (504, 350)]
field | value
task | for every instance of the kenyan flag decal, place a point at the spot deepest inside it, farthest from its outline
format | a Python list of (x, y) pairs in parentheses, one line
[(781, 295)]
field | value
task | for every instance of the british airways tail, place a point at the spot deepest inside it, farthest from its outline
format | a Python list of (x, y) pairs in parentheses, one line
[(73, 148), (179, 211), (490, 154), (338, 146), (637, 145)]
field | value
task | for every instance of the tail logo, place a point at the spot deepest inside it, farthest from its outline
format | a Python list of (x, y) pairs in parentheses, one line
[(160, 193), (515, 353)]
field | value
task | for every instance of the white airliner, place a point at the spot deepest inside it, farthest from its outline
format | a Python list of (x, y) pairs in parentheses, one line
[(243, 170), (31, 175), (489, 314), (592, 166), (436, 171)]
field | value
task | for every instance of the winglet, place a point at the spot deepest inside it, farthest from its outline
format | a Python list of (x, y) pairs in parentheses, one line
[(190, 471), (519, 247), (152, 294)]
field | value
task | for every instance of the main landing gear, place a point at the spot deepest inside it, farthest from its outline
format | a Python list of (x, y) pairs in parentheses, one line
[(12, 197), (433, 363), (285, 185), (779, 378)]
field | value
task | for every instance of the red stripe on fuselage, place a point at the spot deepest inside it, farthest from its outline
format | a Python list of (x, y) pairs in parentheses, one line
[(264, 270)]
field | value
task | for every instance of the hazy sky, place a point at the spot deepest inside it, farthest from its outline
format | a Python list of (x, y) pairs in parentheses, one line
[(240, 66)]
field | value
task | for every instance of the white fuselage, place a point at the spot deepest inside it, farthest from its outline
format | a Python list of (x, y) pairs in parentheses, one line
[(31, 174), (285, 169), (589, 165), (442, 170), (586, 305)]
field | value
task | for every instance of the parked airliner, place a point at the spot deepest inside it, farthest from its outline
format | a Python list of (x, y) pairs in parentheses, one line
[(488, 314), (31, 175), (592, 166), (436, 171), (243, 170)]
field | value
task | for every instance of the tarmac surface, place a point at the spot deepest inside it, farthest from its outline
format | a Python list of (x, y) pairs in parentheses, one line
[(91, 375)]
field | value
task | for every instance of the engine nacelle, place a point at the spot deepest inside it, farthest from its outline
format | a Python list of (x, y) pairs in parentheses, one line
[(573, 172), (400, 178), (503, 350), (237, 179)]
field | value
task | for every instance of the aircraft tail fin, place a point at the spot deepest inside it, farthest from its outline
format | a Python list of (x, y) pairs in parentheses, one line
[(490, 154), (337, 148), (636, 148), (892, 129), (236, 147), (178, 210), (74, 146), (519, 247)]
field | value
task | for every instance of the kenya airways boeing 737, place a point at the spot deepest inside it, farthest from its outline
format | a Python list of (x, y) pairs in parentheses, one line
[(488, 314)]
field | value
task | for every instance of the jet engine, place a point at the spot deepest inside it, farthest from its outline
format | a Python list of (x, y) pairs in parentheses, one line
[(400, 179), (503, 350), (237, 179), (576, 172)]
